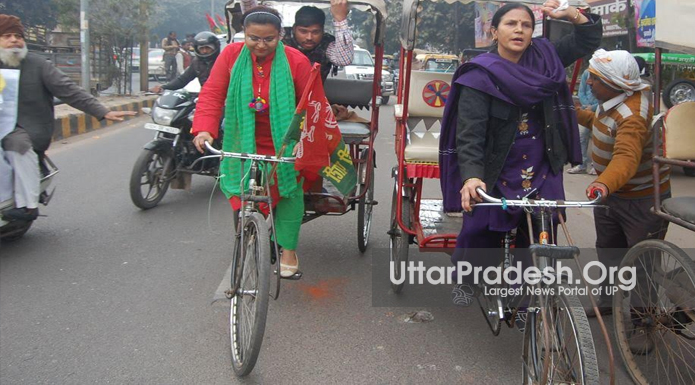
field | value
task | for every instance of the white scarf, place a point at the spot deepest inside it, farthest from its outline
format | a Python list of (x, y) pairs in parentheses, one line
[(618, 69)]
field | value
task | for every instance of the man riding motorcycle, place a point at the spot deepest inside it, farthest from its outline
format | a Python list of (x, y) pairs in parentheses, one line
[(206, 47), (39, 82)]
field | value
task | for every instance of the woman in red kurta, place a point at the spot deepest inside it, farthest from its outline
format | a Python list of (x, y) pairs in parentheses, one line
[(262, 28)]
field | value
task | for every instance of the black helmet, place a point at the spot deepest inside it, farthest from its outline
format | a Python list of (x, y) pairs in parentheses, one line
[(206, 39)]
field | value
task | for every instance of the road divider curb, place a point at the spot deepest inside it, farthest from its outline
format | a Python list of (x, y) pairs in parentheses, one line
[(79, 123)]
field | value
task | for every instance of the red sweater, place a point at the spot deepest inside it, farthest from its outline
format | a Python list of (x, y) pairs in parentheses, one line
[(211, 101)]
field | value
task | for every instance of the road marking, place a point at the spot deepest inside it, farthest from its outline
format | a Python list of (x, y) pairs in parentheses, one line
[(220, 298)]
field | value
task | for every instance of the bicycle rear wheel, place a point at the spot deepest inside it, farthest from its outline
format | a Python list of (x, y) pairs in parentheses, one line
[(365, 205), (654, 321), (558, 335), (249, 305)]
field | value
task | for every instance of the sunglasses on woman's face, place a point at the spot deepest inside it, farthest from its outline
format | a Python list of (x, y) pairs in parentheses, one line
[(266, 40)]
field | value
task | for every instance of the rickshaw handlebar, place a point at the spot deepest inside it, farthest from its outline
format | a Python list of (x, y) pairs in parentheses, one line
[(492, 201), (243, 155)]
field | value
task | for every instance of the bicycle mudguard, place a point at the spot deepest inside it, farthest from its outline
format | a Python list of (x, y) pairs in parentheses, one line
[(554, 252)]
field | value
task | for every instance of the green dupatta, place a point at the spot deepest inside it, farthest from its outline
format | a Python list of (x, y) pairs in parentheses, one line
[(240, 120)]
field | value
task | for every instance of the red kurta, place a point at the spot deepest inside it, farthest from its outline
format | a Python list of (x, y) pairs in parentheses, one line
[(212, 97)]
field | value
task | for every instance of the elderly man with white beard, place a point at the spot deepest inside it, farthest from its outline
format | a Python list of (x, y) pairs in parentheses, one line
[(39, 82)]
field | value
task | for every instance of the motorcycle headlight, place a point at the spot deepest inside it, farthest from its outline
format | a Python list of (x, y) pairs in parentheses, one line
[(163, 116)]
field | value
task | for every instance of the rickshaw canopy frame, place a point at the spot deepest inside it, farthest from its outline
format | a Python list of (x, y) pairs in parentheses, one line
[(375, 7)]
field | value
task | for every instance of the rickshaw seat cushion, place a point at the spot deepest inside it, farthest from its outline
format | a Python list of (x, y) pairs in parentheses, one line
[(422, 147), (681, 207), (353, 131), (679, 132), (426, 95), (348, 92)]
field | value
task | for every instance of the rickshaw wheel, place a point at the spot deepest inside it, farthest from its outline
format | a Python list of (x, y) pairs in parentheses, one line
[(364, 206), (655, 321), (398, 242)]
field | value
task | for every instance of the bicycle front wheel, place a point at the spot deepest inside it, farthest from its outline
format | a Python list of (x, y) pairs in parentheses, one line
[(655, 320), (249, 305), (558, 345)]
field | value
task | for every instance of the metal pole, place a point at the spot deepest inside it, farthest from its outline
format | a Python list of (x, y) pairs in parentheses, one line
[(144, 48), (212, 9), (84, 44)]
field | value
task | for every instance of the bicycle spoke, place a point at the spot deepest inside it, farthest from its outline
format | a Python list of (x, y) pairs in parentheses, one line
[(656, 314)]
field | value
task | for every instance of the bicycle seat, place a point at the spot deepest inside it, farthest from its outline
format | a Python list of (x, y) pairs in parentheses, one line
[(554, 252), (681, 207)]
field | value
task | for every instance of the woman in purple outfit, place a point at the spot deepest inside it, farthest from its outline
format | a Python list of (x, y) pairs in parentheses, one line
[(509, 128)]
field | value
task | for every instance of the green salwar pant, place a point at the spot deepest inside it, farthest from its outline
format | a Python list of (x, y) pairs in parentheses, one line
[(288, 219)]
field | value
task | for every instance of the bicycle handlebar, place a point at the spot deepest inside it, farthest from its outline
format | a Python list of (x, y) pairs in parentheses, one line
[(243, 155), (492, 201)]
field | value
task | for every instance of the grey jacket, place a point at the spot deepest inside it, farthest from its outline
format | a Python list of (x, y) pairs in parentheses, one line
[(39, 82)]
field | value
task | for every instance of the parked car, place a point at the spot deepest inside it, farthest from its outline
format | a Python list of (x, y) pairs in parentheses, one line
[(362, 67), (136, 59), (155, 64)]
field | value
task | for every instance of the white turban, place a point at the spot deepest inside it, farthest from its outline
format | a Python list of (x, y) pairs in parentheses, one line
[(618, 69)]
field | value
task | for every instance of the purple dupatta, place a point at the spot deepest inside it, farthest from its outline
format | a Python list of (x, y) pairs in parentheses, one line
[(537, 76)]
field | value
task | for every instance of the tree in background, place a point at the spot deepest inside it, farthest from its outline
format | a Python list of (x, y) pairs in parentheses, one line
[(443, 27), (184, 17), (114, 27), (32, 13), (446, 27)]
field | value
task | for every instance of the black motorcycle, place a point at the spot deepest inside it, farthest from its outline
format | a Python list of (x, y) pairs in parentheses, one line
[(169, 160), (12, 230)]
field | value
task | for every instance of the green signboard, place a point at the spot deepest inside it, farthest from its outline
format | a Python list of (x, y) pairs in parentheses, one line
[(669, 58)]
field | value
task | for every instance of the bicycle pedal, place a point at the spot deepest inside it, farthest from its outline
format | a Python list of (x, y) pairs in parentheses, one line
[(296, 277), (374, 203)]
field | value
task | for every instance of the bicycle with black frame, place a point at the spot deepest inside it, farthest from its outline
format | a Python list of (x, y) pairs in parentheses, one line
[(558, 344), (255, 260)]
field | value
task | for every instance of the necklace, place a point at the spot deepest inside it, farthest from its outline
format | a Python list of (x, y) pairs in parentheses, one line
[(258, 103)]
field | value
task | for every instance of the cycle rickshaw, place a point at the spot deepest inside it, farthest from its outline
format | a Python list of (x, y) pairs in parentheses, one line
[(558, 344), (255, 267), (655, 322)]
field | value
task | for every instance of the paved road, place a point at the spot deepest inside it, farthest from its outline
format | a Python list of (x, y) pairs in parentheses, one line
[(101, 292)]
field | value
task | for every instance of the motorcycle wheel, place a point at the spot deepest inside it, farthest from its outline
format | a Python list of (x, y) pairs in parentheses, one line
[(14, 231), (150, 178)]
